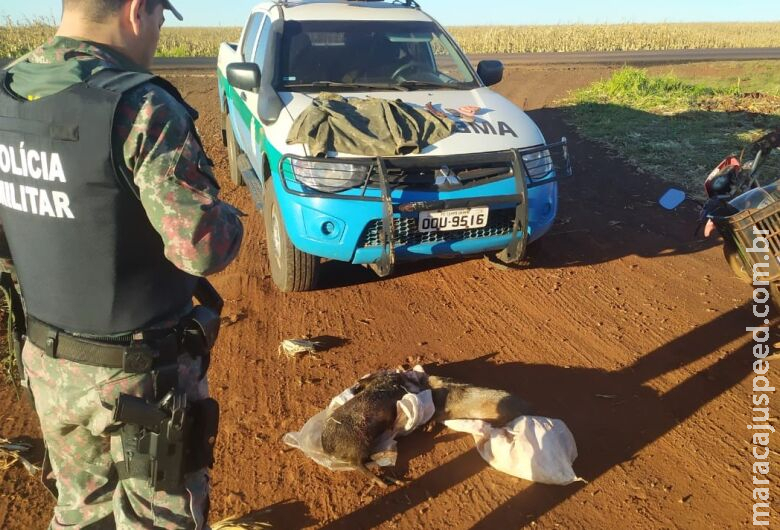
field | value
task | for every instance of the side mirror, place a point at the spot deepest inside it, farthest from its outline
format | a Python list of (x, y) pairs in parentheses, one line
[(673, 198), (244, 76), (491, 72)]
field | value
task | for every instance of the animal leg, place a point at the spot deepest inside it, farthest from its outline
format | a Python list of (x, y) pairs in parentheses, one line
[(391, 479), (376, 480)]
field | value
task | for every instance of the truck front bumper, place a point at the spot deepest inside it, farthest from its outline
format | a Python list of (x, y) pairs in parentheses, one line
[(379, 225)]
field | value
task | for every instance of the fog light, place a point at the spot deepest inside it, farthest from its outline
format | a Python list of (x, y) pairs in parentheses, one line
[(328, 228)]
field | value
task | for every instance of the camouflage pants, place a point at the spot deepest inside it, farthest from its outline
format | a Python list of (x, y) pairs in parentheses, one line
[(72, 401)]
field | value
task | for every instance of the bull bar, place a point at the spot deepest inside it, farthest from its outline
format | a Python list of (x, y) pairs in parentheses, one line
[(530, 167)]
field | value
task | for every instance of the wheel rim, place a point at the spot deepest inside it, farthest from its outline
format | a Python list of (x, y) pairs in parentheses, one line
[(276, 237)]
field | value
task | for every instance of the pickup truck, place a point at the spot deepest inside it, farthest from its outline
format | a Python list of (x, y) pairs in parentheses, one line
[(489, 187)]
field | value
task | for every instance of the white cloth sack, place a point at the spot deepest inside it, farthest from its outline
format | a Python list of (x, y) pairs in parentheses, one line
[(529, 447), (413, 410)]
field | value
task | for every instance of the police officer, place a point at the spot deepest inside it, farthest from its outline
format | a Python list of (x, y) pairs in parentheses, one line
[(110, 208)]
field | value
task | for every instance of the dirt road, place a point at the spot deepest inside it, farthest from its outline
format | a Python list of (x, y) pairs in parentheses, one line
[(625, 327)]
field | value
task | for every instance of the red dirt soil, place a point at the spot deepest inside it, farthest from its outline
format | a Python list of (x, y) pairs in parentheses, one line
[(625, 326)]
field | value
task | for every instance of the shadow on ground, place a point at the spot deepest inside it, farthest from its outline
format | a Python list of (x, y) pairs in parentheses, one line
[(285, 514)]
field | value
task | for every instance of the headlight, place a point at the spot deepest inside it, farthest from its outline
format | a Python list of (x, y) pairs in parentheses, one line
[(328, 177), (538, 164)]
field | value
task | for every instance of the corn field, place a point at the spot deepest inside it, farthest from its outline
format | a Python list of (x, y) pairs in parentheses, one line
[(616, 37), (18, 38)]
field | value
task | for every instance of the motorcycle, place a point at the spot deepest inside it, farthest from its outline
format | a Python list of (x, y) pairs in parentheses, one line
[(744, 212)]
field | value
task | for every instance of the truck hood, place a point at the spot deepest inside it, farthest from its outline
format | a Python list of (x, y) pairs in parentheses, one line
[(499, 125)]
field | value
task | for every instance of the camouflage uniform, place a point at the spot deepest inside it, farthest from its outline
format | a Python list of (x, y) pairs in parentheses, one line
[(201, 235), (175, 178), (74, 404)]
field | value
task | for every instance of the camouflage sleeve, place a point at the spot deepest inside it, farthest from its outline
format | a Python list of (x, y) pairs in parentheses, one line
[(176, 183)]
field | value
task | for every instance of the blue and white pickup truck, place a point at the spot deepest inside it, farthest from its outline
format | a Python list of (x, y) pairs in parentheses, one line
[(489, 187)]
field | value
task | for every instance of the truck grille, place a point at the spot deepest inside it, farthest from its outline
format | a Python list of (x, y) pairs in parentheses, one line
[(405, 233), (425, 178)]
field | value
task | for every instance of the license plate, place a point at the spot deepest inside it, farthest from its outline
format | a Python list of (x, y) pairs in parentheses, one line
[(446, 220)]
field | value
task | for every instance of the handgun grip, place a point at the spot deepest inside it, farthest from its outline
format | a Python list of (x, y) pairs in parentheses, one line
[(136, 411)]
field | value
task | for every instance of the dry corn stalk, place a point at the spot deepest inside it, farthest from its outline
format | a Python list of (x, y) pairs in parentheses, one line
[(11, 453)]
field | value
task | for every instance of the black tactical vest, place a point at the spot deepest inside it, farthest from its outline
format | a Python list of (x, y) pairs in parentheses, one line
[(88, 259)]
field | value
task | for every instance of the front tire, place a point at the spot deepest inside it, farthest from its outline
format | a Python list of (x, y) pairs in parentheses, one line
[(291, 269), (233, 152)]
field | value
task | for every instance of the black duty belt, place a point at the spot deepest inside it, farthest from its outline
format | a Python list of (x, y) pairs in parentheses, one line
[(155, 349)]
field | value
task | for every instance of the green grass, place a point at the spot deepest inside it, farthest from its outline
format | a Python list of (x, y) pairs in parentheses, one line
[(673, 128), (744, 76), (635, 88)]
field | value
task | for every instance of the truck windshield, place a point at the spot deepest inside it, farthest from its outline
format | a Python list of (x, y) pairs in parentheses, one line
[(370, 55)]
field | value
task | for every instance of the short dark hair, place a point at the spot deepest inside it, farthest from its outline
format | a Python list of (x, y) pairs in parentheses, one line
[(99, 10)]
